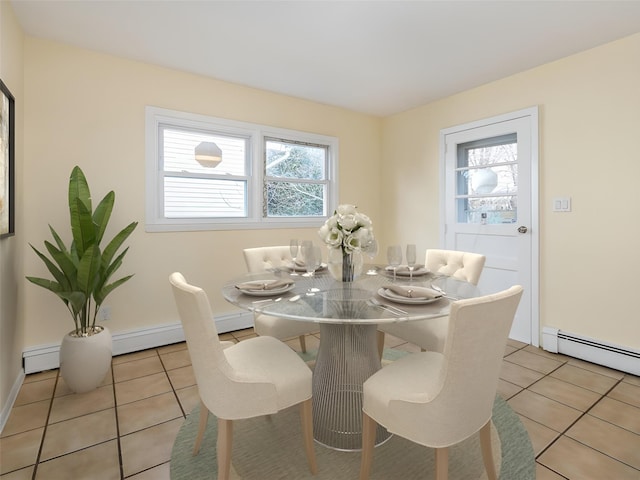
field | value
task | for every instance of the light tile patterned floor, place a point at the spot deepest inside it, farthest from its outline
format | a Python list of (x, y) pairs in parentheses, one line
[(583, 419)]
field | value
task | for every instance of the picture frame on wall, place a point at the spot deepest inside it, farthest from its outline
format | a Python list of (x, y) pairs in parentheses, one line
[(7, 162)]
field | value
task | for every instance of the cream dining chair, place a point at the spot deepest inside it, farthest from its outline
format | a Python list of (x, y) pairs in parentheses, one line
[(440, 399), (431, 334), (258, 260), (258, 376)]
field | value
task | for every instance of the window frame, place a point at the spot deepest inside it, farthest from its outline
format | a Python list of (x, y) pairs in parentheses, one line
[(155, 221)]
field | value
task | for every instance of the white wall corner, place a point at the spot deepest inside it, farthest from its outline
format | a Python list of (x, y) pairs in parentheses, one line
[(8, 405), (550, 339)]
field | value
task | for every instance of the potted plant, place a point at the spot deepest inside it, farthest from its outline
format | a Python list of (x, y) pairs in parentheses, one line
[(82, 280)]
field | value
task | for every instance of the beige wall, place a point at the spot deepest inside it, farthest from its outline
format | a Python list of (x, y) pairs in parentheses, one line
[(89, 109), (11, 248), (589, 108)]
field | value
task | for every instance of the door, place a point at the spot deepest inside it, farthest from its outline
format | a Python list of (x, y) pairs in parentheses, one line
[(490, 205)]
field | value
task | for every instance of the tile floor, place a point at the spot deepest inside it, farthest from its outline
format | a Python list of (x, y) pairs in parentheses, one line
[(583, 419)]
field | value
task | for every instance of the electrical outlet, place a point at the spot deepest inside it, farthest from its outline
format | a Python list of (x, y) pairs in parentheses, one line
[(104, 313)]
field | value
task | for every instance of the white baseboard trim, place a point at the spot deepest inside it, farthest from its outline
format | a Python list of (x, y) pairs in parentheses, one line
[(46, 357), (592, 350), (8, 405)]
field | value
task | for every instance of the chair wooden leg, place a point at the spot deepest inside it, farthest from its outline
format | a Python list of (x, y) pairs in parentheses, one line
[(380, 337), (487, 453), (303, 344), (306, 418), (368, 441), (442, 463), (202, 426), (225, 439)]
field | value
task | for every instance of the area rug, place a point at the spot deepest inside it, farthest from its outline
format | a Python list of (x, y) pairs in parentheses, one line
[(270, 448)]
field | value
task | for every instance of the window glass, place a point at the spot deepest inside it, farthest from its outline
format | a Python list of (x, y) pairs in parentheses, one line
[(295, 180), (487, 180)]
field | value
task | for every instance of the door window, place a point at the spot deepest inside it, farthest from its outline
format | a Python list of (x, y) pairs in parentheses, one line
[(487, 180)]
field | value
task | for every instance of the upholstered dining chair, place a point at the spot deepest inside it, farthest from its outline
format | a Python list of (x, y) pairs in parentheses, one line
[(440, 399), (259, 259), (258, 376), (430, 334)]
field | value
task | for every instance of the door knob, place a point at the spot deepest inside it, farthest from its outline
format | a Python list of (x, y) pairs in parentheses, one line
[(522, 229)]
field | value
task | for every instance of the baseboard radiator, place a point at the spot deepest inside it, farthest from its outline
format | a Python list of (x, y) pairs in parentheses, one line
[(46, 357), (591, 350)]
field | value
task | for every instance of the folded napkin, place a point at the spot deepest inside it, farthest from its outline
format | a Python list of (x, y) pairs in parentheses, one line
[(266, 285), (404, 268), (413, 292), (300, 266)]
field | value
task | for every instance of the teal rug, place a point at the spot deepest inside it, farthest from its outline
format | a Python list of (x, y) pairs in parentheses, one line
[(270, 448)]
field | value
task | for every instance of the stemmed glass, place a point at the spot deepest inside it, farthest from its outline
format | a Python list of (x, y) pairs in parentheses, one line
[(293, 249), (411, 259), (372, 252), (394, 257), (312, 258)]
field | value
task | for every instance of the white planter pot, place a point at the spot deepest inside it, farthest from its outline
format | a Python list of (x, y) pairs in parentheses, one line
[(84, 361)]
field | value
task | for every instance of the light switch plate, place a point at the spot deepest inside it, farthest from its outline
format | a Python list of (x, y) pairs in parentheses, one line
[(562, 204)]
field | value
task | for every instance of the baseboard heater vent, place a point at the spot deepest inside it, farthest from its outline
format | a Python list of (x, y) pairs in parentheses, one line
[(591, 350)]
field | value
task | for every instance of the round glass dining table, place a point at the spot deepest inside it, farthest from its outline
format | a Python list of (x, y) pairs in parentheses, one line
[(348, 314)]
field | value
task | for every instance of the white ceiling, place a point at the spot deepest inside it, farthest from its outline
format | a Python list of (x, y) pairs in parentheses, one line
[(376, 57)]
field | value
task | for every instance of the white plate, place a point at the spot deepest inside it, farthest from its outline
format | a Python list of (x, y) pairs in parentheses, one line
[(394, 297), (405, 273), (267, 293)]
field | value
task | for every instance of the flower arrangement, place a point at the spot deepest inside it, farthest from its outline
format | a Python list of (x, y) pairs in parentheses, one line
[(348, 230)]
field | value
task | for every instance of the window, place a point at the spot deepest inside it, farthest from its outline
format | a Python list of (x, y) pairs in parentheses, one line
[(268, 177), (487, 180)]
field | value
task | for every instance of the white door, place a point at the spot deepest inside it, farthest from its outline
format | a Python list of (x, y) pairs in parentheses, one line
[(490, 205)]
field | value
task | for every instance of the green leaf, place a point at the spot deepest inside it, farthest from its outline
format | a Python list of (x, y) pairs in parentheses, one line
[(84, 231), (77, 301), (105, 273), (46, 283), (79, 208), (58, 240), (78, 189), (102, 214), (100, 295), (116, 243), (53, 269), (49, 285), (64, 263), (88, 270)]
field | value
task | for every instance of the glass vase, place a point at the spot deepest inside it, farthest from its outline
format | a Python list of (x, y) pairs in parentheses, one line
[(344, 266)]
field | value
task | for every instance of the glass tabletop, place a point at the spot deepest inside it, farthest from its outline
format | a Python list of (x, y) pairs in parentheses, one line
[(320, 298)]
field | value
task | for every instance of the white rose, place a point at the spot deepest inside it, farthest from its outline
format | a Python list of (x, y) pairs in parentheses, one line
[(364, 236), (346, 209), (363, 220), (332, 222), (348, 222), (351, 243)]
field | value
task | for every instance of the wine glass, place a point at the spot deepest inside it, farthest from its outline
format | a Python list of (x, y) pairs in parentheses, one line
[(411, 259), (372, 252), (293, 249), (394, 257), (312, 257)]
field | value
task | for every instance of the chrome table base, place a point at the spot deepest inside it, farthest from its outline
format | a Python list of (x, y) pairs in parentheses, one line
[(348, 355)]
